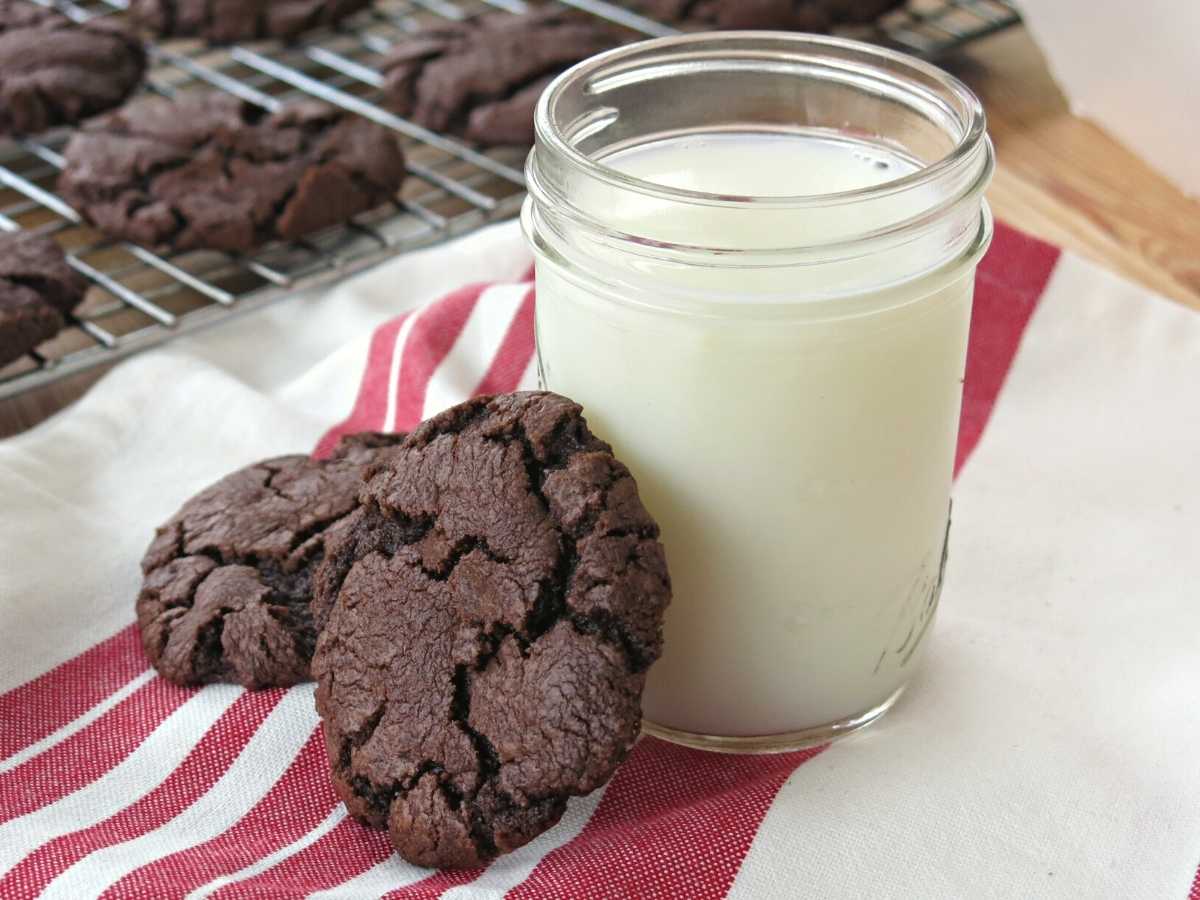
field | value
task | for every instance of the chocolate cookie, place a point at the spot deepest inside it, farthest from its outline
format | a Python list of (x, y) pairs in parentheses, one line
[(790, 15), (499, 598), (226, 21), (482, 79), (362, 448), (37, 288), (207, 170), (859, 12), (228, 579), (54, 71)]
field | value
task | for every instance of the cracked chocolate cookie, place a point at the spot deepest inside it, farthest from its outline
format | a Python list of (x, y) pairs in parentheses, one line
[(789, 15), (54, 71), (228, 580), (226, 21), (499, 599), (209, 171), (482, 79), (37, 289)]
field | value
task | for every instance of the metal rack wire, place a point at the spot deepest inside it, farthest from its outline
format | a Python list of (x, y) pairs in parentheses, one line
[(140, 298)]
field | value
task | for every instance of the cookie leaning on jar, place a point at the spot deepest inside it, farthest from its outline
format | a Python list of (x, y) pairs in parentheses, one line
[(495, 605)]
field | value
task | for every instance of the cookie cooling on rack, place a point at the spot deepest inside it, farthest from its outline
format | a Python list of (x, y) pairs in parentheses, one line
[(210, 171), (481, 80), (54, 71), (37, 289), (226, 21), (790, 15)]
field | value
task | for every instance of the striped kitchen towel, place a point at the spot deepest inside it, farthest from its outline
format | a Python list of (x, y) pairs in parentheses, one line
[(1049, 747)]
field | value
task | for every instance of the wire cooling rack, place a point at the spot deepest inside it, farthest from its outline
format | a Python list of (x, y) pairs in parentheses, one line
[(140, 298)]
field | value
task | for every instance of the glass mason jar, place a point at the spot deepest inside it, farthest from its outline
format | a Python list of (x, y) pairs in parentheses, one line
[(755, 258)]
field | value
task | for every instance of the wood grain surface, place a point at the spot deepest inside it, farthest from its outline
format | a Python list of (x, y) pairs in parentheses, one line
[(1059, 177), (1065, 180)]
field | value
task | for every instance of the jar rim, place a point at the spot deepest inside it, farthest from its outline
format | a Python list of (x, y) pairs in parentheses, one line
[(970, 111)]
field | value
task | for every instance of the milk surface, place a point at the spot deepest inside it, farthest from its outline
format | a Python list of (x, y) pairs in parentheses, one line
[(799, 465), (761, 165)]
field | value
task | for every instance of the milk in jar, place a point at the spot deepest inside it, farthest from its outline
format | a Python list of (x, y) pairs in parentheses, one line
[(774, 341)]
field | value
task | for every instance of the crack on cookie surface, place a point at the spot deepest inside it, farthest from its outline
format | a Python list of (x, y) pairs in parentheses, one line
[(207, 659), (551, 603), (442, 569), (488, 765)]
